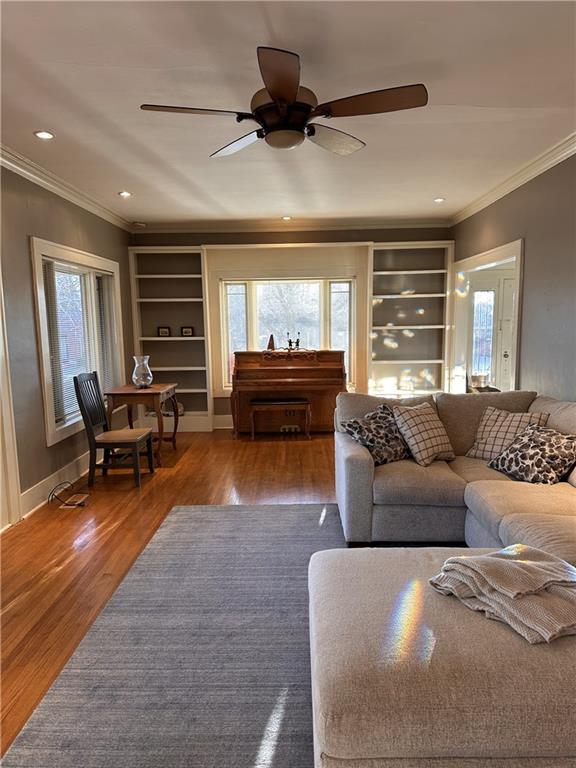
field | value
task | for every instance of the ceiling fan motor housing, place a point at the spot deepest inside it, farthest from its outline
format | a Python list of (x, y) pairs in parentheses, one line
[(283, 124)]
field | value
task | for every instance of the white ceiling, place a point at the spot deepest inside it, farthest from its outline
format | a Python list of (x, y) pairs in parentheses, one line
[(501, 78)]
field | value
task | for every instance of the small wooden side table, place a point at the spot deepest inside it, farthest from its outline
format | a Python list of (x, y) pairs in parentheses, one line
[(153, 397)]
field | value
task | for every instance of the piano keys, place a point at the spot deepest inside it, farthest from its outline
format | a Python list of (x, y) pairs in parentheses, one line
[(317, 375)]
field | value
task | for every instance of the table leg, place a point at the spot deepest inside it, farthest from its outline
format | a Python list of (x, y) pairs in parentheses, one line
[(158, 410), (129, 409), (176, 417), (110, 408)]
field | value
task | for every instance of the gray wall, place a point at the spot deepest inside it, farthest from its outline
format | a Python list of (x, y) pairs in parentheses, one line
[(543, 213), (322, 236), (29, 210)]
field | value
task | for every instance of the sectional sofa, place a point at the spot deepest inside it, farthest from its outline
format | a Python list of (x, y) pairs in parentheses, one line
[(403, 677), (457, 501)]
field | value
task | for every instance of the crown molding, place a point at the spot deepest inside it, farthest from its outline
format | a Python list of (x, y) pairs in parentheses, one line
[(548, 159), (13, 161)]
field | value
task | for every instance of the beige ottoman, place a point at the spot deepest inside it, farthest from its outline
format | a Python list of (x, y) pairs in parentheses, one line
[(403, 677)]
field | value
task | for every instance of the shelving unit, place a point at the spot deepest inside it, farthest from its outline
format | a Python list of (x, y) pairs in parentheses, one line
[(410, 315), (168, 289)]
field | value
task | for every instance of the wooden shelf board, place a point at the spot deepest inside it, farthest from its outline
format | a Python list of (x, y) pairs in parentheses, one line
[(410, 296), (179, 368), (404, 392), (406, 362), (406, 327), (168, 301), (188, 276), (410, 272), (171, 338)]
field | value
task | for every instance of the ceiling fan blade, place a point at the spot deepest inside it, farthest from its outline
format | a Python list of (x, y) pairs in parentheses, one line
[(375, 102), (196, 111), (333, 140), (280, 71), (237, 144)]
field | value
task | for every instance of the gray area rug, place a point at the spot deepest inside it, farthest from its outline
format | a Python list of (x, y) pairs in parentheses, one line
[(201, 657)]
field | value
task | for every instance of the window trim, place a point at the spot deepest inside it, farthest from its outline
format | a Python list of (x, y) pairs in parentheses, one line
[(251, 319), (44, 249)]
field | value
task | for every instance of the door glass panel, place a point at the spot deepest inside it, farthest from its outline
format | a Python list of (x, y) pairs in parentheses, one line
[(482, 333)]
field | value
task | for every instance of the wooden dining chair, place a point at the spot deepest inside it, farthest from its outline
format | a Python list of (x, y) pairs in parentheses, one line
[(100, 436)]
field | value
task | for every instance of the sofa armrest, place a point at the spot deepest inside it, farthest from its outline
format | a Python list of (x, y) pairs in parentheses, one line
[(354, 487)]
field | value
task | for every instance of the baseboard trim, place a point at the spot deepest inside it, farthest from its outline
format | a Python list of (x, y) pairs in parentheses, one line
[(223, 421), (36, 496)]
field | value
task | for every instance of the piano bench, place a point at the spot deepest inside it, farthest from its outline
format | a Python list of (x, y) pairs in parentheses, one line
[(279, 404)]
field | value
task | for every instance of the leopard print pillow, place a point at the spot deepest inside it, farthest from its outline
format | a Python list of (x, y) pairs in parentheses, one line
[(377, 431), (538, 455)]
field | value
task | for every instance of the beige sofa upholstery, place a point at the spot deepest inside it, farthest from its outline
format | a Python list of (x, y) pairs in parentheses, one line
[(403, 677), (457, 501)]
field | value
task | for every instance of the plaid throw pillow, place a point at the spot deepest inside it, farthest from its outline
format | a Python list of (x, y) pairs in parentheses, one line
[(497, 429), (378, 432), (424, 433), (538, 455)]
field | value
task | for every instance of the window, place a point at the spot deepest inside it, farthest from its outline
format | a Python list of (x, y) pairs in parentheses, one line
[(482, 332), (319, 311), (78, 306)]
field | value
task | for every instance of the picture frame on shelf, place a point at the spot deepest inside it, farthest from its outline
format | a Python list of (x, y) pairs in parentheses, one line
[(164, 330), (187, 330)]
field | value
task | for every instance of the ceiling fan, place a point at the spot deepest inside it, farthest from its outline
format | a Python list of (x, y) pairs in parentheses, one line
[(284, 109)]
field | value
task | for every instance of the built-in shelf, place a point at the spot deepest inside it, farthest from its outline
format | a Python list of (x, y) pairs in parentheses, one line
[(171, 338), (411, 304), (411, 272), (410, 296), (167, 277), (406, 327), (168, 301), (406, 362), (175, 301), (179, 368)]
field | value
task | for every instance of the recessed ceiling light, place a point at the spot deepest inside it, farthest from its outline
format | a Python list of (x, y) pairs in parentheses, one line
[(286, 218), (439, 199), (125, 193), (45, 135)]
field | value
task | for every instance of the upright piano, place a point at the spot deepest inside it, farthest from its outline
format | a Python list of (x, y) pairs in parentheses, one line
[(317, 375)]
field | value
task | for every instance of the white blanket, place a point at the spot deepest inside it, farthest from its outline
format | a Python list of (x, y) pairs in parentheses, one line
[(532, 591)]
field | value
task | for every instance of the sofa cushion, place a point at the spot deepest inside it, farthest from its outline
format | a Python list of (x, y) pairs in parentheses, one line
[(405, 482), (353, 405), (562, 417), (538, 455), (378, 432), (461, 414), (553, 533), (491, 502), (497, 429), (404, 676), (471, 470), (424, 433)]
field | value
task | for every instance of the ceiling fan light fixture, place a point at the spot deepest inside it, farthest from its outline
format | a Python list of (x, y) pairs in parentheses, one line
[(284, 139)]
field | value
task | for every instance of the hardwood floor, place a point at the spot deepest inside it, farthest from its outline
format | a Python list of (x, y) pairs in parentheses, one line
[(60, 567)]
